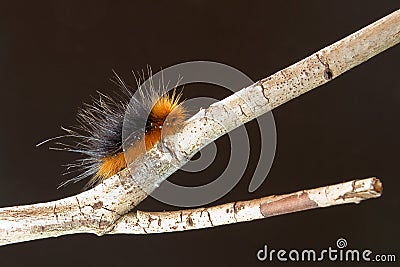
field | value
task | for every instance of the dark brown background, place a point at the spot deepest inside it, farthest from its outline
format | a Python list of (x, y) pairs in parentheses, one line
[(55, 54)]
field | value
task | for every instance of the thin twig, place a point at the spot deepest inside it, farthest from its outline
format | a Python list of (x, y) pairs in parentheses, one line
[(141, 222)]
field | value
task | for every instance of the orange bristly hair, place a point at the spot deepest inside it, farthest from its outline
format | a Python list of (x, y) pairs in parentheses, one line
[(166, 118)]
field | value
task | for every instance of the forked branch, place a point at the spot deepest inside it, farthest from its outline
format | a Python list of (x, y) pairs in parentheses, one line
[(103, 209)]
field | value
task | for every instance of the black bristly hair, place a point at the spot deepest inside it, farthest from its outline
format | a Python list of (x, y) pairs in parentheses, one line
[(99, 133)]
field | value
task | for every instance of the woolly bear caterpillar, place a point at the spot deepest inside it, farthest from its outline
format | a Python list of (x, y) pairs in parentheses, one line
[(98, 136)]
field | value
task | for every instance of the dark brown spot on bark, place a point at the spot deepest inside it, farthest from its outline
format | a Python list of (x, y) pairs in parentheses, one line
[(328, 74), (97, 205), (239, 206), (190, 221)]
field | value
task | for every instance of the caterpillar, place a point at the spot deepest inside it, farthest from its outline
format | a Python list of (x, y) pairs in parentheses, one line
[(99, 133)]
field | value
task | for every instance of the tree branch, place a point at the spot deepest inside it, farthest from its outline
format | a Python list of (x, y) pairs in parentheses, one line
[(96, 210), (141, 222)]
